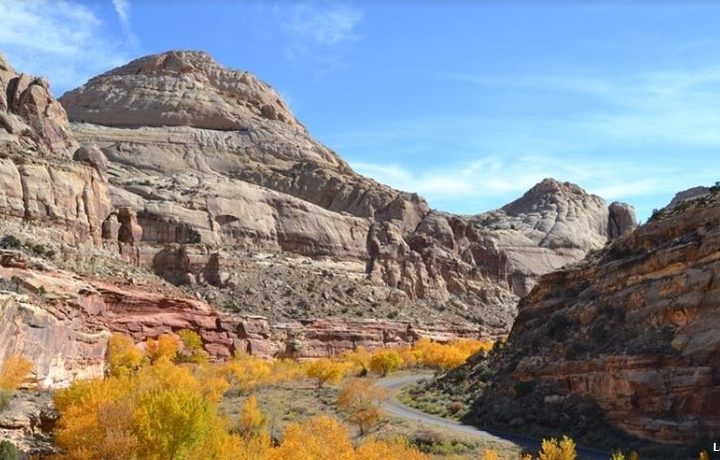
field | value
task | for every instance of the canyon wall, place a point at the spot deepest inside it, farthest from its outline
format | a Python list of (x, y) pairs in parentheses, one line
[(632, 330)]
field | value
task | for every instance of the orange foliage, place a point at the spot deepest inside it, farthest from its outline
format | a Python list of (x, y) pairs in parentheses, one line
[(325, 370), (14, 371), (319, 438), (388, 450), (164, 348), (123, 356), (385, 361), (360, 399)]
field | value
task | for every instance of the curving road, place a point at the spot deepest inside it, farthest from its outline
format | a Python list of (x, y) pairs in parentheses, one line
[(398, 409)]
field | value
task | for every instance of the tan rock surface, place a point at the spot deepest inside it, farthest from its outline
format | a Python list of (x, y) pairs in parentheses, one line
[(40, 182), (62, 323), (212, 156)]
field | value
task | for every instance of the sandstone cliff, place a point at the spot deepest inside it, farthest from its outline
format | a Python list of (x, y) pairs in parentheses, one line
[(630, 331), (211, 160), (41, 184), (62, 322), (176, 166)]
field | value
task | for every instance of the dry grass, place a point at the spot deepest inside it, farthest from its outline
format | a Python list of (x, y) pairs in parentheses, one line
[(299, 400)]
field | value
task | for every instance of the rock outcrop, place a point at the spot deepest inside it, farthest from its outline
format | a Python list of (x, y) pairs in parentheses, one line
[(212, 157), (689, 194), (40, 182), (632, 330), (62, 322)]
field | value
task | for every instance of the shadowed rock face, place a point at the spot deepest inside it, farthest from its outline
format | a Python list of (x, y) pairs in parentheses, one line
[(633, 329), (211, 155)]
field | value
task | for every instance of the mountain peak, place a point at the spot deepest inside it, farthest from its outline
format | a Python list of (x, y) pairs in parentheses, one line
[(178, 88), (547, 192)]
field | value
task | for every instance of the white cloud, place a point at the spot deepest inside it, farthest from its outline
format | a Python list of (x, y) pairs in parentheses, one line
[(491, 181), (62, 40), (637, 137), (319, 31), (122, 8)]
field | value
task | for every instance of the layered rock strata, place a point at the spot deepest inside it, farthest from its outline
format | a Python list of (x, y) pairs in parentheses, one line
[(62, 323), (633, 329), (206, 155)]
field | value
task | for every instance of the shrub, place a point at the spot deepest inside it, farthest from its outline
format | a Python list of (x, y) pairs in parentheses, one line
[(40, 249), (455, 407), (5, 398), (559, 327), (8, 451), (10, 242)]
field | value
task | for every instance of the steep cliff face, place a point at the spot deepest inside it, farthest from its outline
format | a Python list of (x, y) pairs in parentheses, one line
[(209, 157), (40, 182), (632, 329)]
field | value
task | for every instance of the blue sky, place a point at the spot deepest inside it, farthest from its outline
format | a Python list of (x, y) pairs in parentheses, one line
[(467, 103)]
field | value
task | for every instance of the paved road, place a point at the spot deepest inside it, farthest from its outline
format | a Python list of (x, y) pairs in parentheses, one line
[(398, 409)]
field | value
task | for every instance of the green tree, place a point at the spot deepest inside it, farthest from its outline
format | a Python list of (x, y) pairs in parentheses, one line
[(8, 451)]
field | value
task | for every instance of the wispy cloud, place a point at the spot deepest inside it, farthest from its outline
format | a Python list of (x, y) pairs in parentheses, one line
[(319, 32), (122, 8), (638, 137), (677, 107), (61, 39), (491, 181)]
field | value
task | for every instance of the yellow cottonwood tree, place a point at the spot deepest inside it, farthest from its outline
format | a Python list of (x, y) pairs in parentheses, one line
[(552, 449), (360, 399), (246, 372), (325, 370), (385, 361), (171, 424), (164, 348), (192, 345), (360, 359), (14, 371), (252, 421), (97, 420), (319, 438), (123, 356), (388, 450)]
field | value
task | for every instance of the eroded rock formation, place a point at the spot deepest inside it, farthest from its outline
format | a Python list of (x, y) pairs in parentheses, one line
[(633, 330), (209, 156), (62, 323), (39, 181)]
